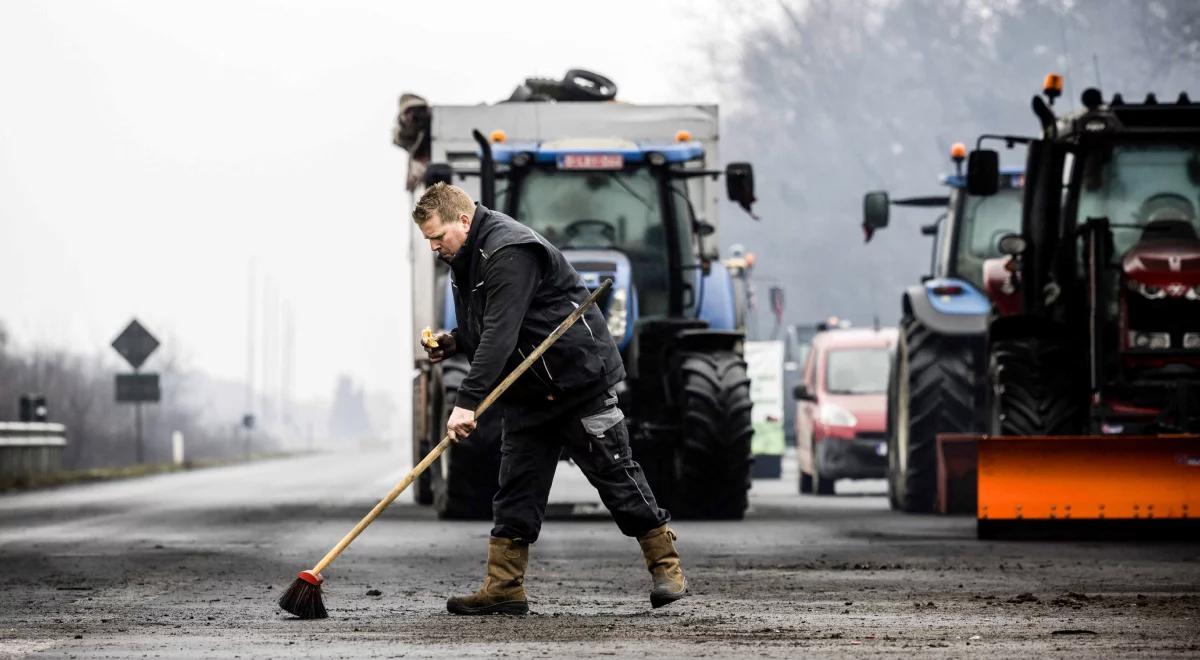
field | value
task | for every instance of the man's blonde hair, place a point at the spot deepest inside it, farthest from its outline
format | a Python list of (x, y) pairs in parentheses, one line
[(448, 201)]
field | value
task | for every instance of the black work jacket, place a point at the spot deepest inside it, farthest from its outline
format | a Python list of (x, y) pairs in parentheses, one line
[(583, 362)]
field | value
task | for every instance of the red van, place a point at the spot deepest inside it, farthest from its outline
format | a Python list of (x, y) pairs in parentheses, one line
[(841, 408)]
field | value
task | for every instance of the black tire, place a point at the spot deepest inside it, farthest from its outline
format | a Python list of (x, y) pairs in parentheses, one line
[(937, 390), (893, 389), (713, 458), (584, 85), (1035, 388), (431, 406), (466, 478), (423, 486), (806, 483), (821, 485)]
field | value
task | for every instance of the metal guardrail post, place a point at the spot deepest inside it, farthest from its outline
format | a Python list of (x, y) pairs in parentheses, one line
[(29, 449)]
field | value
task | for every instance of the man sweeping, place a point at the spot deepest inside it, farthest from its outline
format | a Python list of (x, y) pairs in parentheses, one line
[(511, 290)]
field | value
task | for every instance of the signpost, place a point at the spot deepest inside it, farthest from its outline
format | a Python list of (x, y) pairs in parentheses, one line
[(135, 344)]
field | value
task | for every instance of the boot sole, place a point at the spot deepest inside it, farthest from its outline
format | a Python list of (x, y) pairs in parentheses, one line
[(658, 600), (516, 607)]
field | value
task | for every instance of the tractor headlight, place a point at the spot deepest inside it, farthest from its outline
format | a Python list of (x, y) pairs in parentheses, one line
[(1193, 293), (1191, 340), (1150, 291), (1155, 341), (832, 415), (618, 314)]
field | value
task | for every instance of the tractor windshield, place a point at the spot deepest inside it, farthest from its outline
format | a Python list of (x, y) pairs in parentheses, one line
[(599, 210), (1135, 184), (857, 371), (984, 222)]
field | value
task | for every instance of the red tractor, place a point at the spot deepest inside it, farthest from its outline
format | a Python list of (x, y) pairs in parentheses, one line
[(1094, 345)]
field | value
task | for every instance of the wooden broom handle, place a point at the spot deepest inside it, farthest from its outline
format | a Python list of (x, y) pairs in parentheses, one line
[(441, 446)]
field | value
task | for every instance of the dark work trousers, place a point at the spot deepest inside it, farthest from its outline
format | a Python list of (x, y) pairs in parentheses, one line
[(595, 438)]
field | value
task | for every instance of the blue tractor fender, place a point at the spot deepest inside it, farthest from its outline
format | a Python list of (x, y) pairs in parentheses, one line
[(449, 315), (716, 301), (948, 306)]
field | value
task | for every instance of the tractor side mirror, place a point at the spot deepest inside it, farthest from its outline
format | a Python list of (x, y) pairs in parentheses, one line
[(801, 393), (438, 173), (983, 172), (875, 213), (703, 228), (739, 184), (1011, 244)]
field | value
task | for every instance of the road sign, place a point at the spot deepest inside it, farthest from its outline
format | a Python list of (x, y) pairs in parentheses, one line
[(135, 344), (138, 388)]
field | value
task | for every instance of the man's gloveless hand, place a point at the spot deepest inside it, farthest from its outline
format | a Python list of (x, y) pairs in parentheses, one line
[(446, 347), (460, 424)]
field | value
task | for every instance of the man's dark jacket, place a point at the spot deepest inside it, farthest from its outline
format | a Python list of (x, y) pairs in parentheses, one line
[(506, 277)]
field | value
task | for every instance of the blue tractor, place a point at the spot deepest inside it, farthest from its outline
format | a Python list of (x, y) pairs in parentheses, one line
[(620, 209), (939, 375)]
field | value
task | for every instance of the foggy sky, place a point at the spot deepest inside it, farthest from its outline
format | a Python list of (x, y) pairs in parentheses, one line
[(149, 151)]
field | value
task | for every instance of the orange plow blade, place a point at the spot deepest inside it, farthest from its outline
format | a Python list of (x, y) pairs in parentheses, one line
[(1048, 483)]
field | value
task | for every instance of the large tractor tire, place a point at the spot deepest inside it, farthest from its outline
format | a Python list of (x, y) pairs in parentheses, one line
[(1035, 388), (712, 461), (466, 478), (935, 389)]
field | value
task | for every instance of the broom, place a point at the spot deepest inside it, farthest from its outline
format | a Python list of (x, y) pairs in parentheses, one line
[(303, 598)]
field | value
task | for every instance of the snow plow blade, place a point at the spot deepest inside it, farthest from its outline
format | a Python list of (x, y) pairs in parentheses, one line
[(1093, 486)]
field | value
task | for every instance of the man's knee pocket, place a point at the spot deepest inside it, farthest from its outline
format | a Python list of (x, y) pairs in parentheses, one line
[(606, 438)]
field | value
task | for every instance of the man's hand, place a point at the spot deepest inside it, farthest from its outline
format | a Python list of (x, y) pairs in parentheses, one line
[(460, 424), (446, 347)]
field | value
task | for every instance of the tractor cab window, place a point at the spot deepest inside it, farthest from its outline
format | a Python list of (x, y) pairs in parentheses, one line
[(857, 371), (602, 210), (985, 221), (1143, 189)]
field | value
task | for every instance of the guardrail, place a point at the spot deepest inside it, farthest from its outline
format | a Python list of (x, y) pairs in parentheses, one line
[(29, 449)]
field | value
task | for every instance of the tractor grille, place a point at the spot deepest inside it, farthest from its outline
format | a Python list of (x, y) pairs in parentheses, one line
[(1163, 265)]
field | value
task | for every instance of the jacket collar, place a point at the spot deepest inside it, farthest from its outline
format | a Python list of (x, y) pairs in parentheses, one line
[(462, 261)]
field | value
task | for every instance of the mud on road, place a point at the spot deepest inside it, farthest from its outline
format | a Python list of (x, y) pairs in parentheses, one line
[(190, 565)]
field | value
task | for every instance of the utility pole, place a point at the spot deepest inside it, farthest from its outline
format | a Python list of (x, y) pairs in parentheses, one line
[(287, 385)]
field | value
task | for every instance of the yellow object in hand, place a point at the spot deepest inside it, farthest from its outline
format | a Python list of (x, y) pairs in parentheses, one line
[(427, 338)]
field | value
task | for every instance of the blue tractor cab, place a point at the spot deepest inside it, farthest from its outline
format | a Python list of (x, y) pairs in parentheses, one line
[(555, 187), (938, 376), (622, 210)]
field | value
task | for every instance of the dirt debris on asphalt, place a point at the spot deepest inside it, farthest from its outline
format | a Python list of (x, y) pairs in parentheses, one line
[(145, 570)]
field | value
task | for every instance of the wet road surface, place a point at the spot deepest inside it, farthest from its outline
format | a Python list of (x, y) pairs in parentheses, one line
[(190, 565)]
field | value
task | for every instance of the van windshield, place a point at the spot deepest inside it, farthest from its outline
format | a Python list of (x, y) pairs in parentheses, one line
[(857, 371)]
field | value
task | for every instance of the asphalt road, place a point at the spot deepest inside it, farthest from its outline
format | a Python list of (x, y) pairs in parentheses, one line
[(190, 565)]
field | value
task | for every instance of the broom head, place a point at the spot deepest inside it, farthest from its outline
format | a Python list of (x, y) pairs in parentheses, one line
[(303, 598)]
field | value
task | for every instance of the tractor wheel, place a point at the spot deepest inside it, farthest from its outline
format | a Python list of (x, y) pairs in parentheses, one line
[(422, 444), (466, 477), (821, 485), (1034, 388), (935, 392), (584, 85), (713, 458), (892, 395)]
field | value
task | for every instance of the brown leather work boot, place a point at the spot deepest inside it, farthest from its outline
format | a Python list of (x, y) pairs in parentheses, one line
[(503, 590), (658, 547)]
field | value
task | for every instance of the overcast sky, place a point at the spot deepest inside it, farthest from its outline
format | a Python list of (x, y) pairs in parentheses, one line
[(150, 151)]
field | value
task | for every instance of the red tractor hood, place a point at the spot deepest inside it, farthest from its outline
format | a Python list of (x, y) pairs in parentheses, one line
[(1171, 266)]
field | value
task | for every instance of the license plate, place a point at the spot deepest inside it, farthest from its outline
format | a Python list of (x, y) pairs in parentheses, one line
[(881, 449), (591, 162)]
